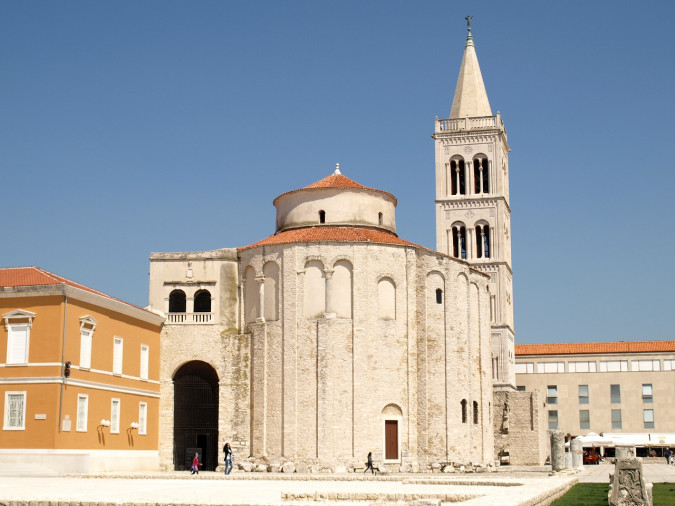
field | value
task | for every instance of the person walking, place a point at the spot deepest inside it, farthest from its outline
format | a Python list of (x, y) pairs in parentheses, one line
[(195, 464), (228, 458), (369, 465), (667, 454)]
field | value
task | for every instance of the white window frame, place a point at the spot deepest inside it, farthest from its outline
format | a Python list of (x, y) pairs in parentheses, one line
[(142, 418), (14, 319), (115, 420), (645, 419), (145, 361), (7, 425), (118, 355), (81, 425)]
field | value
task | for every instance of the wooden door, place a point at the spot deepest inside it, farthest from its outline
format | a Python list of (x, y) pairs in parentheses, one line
[(391, 439)]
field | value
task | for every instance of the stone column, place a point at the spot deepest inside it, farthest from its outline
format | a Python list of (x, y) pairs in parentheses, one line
[(261, 299), (557, 450), (330, 303), (577, 453), (623, 452)]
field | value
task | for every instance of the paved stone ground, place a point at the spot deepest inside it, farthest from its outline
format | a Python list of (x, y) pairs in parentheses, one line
[(655, 473), (267, 489)]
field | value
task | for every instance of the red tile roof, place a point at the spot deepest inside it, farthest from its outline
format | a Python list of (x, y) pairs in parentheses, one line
[(593, 348), (331, 234), (34, 276), (338, 181)]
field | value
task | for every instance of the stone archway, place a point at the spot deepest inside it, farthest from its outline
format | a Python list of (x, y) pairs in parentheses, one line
[(195, 415)]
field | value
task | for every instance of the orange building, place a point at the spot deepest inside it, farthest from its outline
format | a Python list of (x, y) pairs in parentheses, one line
[(79, 376)]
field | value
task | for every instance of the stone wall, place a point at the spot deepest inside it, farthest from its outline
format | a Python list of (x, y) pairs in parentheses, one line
[(522, 433)]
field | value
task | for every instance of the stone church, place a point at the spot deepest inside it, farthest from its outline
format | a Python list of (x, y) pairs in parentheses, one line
[(335, 337)]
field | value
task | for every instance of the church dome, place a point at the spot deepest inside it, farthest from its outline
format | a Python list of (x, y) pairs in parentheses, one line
[(334, 201)]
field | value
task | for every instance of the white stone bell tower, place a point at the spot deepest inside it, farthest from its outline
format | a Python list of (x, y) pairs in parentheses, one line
[(473, 217)]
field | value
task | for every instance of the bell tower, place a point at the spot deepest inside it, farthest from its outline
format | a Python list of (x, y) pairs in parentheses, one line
[(473, 217)]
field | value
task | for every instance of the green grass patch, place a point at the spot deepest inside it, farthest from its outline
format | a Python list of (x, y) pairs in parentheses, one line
[(595, 494)]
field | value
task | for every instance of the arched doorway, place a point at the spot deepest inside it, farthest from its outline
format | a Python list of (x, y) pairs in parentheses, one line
[(195, 415)]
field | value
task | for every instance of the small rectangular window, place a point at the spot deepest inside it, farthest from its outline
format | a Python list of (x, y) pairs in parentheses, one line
[(145, 355), (82, 412), (524, 367), (647, 393), (552, 419), (115, 416), (583, 394), (648, 418), (520, 388), (584, 419), (615, 394), (117, 355), (552, 394), (143, 418), (15, 411), (616, 419)]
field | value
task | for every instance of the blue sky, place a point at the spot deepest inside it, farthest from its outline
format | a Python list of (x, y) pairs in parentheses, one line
[(133, 127)]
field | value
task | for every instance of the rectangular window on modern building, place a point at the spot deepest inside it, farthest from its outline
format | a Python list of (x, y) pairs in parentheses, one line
[(15, 411), (552, 394), (647, 392), (615, 394), (143, 418), (581, 367), (117, 355), (524, 367), (583, 394), (614, 366), (645, 365), (82, 412), (145, 357), (648, 418), (550, 367), (520, 388), (616, 419), (552, 419), (668, 365), (584, 419), (115, 416)]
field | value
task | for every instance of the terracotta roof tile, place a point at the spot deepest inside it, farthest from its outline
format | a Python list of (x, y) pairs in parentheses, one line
[(339, 181), (593, 348), (331, 234), (34, 276)]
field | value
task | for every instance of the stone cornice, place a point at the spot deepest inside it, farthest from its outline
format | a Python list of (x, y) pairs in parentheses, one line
[(472, 202)]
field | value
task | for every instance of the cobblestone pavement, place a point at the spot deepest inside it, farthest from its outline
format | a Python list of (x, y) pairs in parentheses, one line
[(251, 489), (655, 473)]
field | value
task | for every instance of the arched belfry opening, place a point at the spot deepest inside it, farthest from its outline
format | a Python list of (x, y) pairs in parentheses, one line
[(195, 415), (202, 301)]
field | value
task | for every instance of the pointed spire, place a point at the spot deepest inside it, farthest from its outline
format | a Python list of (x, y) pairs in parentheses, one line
[(470, 98)]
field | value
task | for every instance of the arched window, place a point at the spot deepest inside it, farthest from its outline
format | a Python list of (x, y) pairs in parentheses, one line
[(439, 296), (379, 219), (251, 295), (202, 301), (315, 290), (457, 174), (459, 241), (271, 274), (464, 415), (475, 412), (322, 216), (481, 177), (483, 249), (341, 287), (386, 299), (177, 301)]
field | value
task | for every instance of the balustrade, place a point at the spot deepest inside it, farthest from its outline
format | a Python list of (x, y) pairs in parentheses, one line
[(458, 124), (189, 318)]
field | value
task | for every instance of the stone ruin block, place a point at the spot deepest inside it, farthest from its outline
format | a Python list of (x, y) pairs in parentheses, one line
[(627, 487)]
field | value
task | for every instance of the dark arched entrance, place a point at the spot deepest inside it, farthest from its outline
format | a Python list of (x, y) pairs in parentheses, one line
[(195, 415)]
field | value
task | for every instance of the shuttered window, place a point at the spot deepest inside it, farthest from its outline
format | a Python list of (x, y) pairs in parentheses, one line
[(85, 348), (145, 353), (15, 411), (117, 355), (143, 418), (115, 417), (17, 344), (82, 412)]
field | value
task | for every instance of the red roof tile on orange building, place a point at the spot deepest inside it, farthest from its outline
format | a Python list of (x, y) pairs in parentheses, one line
[(331, 234), (16, 277), (595, 348)]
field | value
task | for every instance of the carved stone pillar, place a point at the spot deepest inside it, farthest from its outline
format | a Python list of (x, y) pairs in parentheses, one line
[(261, 299), (557, 450), (330, 303)]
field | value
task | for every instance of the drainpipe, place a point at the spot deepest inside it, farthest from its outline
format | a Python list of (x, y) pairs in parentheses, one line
[(63, 356)]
